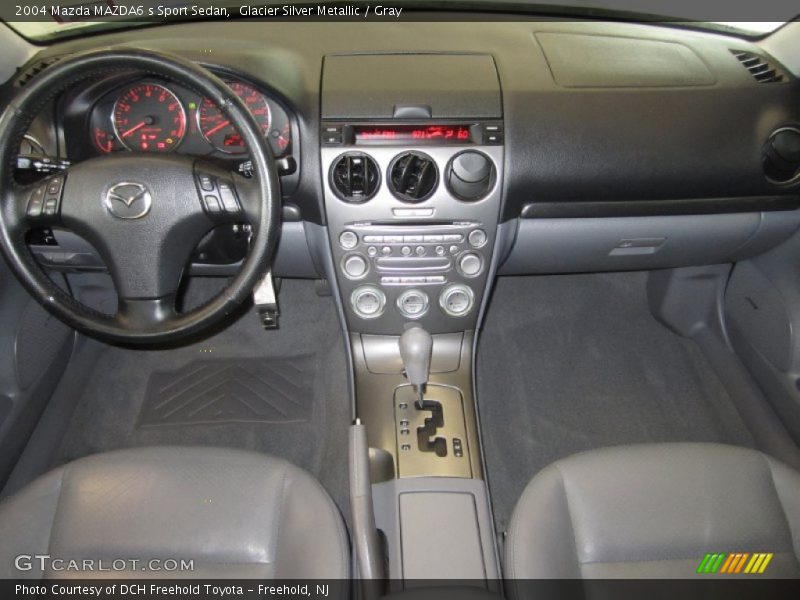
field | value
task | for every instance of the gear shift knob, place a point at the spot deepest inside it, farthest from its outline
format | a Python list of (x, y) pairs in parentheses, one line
[(416, 346)]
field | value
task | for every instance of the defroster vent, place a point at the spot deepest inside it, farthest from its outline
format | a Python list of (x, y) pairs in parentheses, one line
[(760, 68)]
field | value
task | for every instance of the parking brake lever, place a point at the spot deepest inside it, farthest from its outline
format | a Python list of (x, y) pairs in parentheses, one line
[(416, 346)]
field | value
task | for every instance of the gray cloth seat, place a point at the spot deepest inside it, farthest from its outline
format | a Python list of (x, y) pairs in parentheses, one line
[(654, 511), (234, 513)]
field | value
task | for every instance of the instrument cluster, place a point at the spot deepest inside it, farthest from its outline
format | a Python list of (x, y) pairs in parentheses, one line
[(149, 115)]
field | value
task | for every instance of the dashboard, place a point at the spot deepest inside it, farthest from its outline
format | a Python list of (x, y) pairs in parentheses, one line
[(603, 162)]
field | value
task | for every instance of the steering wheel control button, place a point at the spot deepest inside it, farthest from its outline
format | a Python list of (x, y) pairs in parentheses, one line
[(348, 240), (54, 186), (206, 182), (368, 302), (50, 207), (228, 197), (355, 266), (36, 202), (212, 204), (470, 264), (477, 238), (456, 300), (45, 199), (413, 304)]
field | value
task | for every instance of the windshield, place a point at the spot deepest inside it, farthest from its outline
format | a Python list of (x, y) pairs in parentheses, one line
[(43, 22)]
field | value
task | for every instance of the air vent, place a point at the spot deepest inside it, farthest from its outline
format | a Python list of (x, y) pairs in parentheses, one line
[(782, 156), (355, 177), (413, 177), (761, 70), (34, 69)]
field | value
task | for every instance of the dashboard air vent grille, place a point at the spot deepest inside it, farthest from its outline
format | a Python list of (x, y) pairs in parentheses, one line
[(761, 69), (355, 177), (413, 177), (34, 69)]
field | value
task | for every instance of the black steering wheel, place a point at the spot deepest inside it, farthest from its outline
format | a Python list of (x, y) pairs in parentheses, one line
[(144, 213)]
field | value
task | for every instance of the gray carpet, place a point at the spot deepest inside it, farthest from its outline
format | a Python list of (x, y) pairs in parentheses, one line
[(574, 362), (282, 392)]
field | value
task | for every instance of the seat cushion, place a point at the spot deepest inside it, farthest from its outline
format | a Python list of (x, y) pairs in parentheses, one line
[(654, 511), (234, 513)]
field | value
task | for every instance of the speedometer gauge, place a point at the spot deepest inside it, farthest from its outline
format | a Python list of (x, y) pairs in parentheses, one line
[(150, 118), (217, 128)]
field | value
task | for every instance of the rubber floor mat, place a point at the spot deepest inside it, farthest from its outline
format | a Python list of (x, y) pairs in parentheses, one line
[(231, 391)]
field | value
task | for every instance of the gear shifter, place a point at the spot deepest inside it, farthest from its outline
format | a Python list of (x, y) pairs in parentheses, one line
[(416, 346)]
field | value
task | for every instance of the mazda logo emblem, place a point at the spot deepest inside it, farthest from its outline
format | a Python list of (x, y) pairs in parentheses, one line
[(128, 200)]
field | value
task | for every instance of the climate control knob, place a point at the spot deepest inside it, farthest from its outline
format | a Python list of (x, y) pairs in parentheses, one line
[(368, 301), (456, 300), (413, 303), (355, 266)]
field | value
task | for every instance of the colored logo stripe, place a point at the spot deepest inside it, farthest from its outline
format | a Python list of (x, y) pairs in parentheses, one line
[(735, 562), (710, 563)]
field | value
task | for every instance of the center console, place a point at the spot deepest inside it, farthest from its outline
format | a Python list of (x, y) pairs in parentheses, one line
[(412, 222), (412, 177)]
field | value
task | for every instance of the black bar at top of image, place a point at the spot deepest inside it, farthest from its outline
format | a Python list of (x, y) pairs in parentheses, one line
[(151, 11)]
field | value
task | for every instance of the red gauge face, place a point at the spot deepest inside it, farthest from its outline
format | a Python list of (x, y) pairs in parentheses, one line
[(105, 140), (284, 138), (148, 117), (217, 128)]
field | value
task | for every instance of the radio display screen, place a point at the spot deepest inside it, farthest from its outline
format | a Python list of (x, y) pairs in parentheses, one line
[(426, 134)]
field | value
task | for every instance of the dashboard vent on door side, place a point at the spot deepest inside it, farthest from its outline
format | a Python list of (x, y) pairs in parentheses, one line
[(759, 67), (355, 177), (413, 177)]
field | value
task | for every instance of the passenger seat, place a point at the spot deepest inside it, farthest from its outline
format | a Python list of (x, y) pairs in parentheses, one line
[(655, 511)]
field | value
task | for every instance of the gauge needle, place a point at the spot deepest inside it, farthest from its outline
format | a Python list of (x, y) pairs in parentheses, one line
[(134, 128), (214, 130)]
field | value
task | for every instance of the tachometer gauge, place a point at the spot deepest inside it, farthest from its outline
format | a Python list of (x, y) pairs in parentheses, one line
[(217, 128), (150, 118)]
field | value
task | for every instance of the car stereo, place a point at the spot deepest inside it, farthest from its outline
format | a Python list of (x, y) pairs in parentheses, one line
[(412, 210)]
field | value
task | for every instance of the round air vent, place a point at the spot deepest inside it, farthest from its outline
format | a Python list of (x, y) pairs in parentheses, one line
[(355, 177), (470, 175), (413, 177), (782, 156)]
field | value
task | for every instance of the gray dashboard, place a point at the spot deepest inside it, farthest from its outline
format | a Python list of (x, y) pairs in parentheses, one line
[(635, 121), (681, 137)]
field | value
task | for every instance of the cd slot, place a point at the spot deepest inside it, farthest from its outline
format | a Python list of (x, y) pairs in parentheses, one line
[(403, 265)]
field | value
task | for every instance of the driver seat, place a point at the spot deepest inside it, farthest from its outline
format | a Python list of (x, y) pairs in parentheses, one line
[(234, 513)]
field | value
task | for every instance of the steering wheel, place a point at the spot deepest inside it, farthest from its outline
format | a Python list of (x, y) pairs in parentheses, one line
[(144, 213)]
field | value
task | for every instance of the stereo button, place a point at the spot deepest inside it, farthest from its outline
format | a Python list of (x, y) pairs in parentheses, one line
[(470, 264), (477, 238), (348, 240), (355, 266)]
